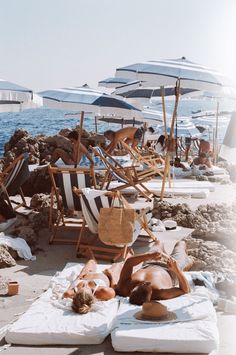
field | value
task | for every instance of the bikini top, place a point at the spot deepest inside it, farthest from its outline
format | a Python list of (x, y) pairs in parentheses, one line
[(98, 283)]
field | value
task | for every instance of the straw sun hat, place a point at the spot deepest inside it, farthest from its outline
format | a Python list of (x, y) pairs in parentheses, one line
[(155, 311)]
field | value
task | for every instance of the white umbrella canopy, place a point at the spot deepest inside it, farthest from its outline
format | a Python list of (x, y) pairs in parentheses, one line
[(14, 98), (168, 71), (90, 101), (137, 89)]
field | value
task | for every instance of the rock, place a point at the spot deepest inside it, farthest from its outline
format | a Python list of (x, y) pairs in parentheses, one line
[(6, 260)]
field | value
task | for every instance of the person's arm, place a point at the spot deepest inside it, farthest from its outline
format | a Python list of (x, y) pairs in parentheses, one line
[(173, 292), (112, 145), (127, 270), (84, 151)]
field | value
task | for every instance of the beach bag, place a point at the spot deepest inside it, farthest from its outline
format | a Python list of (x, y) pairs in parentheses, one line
[(116, 224)]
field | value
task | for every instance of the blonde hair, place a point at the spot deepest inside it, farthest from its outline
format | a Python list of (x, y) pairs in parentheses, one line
[(82, 301)]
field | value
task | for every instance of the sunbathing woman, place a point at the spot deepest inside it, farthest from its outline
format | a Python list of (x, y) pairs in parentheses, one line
[(153, 280), (92, 285)]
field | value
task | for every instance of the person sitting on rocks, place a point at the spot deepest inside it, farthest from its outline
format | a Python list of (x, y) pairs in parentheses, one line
[(75, 156), (154, 280), (202, 161), (130, 135)]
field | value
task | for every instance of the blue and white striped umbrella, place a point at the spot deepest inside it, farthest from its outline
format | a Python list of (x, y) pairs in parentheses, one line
[(90, 101), (137, 89), (166, 72), (14, 98), (113, 82), (185, 128)]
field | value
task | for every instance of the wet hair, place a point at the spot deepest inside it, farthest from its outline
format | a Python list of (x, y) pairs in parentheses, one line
[(73, 135), (82, 301), (161, 139), (202, 155), (108, 133), (151, 129), (141, 293)]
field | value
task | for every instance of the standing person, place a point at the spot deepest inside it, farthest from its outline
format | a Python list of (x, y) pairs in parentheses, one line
[(130, 135), (70, 158), (160, 146)]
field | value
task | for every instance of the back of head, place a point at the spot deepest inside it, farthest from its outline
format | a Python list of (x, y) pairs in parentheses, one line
[(161, 139), (151, 129), (73, 135), (141, 293), (82, 301), (109, 133), (202, 155)]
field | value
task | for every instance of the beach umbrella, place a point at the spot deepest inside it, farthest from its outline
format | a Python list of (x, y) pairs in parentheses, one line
[(166, 72), (113, 82), (14, 98), (90, 101), (228, 147), (137, 89)]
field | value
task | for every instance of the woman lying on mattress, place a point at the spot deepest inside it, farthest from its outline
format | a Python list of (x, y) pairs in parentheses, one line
[(154, 280)]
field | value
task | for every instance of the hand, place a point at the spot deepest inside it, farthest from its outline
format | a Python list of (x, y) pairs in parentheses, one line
[(156, 255), (173, 265)]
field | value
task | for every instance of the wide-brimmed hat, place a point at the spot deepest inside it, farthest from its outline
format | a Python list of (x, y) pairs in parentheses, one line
[(155, 311)]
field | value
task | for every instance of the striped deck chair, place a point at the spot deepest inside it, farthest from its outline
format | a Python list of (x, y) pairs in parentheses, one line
[(63, 180), (12, 179), (92, 247), (127, 175)]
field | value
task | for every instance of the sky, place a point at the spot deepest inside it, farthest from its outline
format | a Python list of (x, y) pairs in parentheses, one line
[(46, 44)]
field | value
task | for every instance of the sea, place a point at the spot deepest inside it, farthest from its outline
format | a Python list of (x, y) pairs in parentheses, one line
[(50, 121)]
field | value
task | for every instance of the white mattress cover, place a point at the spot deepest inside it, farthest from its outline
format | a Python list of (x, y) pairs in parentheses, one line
[(47, 322), (196, 333), (156, 188)]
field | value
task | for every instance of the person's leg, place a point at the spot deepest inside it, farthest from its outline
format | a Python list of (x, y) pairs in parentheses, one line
[(90, 266), (179, 253), (60, 153)]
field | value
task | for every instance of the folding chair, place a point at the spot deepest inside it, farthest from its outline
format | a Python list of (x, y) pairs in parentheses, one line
[(128, 175), (149, 161), (92, 247), (12, 179), (63, 180)]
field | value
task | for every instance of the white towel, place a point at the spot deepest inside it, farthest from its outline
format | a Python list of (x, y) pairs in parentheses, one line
[(18, 244)]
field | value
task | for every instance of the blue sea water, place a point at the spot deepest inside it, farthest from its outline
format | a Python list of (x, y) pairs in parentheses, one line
[(50, 122)]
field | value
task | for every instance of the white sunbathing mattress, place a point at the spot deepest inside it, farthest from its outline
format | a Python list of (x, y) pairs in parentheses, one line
[(194, 330), (49, 322), (155, 187)]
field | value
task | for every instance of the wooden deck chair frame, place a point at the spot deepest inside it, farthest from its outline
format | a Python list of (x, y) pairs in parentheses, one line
[(68, 178), (103, 251), (150, 161), (129, 176), (12, 178)]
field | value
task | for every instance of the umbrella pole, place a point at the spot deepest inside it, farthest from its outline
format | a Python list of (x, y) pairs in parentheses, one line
[(216, 133), (79, 136), (96, 124), (165, 126), (169, 148)]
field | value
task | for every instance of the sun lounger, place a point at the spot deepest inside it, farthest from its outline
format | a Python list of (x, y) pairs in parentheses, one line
[(193, 331), (191, 188), (49, 322)]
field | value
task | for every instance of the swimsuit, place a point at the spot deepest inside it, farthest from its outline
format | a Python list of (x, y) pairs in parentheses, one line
[(98, 283)]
